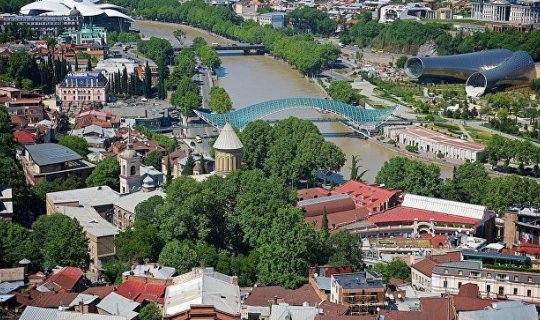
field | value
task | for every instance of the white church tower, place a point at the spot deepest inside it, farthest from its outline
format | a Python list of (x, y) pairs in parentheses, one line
[(130, 166)]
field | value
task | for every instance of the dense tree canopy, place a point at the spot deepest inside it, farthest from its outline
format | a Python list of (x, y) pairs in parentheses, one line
[(153, 158), (105, 173), (306, 19), (397, 268), (157, 49), (61, 241), (75, 143), (17, 243), (219, 101), (410, 175), (342, 91), (44, 187)]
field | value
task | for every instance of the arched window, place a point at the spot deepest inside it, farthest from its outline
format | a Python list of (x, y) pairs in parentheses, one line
[(133, 170)]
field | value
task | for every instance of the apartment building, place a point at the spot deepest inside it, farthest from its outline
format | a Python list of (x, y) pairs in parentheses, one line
[(492, 283)]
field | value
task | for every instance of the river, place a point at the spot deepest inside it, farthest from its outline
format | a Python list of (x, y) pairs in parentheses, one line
[(250, 79)]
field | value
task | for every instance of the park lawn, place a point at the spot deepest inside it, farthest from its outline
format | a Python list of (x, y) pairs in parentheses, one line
[(479, 135)]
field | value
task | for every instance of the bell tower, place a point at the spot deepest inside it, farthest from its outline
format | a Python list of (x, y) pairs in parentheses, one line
[(130, 163)]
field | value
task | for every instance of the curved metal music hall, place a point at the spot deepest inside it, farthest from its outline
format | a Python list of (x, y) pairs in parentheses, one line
[(482, 71)]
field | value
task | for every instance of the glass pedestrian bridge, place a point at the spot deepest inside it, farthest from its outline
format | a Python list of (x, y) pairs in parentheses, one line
[(360, 118)]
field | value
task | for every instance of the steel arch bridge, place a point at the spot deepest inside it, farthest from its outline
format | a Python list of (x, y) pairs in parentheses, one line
[(358, 118)]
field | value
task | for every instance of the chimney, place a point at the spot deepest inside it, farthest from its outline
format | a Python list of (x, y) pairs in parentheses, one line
[(275, 300), (81, 305)]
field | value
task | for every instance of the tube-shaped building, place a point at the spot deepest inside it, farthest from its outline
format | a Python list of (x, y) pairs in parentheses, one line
[(482, 71), (518, 70)]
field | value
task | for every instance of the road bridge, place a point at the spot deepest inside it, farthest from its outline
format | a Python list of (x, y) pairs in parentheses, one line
[(360, 120), (247, 48)]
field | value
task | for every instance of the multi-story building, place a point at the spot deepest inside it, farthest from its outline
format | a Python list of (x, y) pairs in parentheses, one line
[(422, 271), (433, 143), (275, 19), (362, 291), (49, 161), (86, 35), (492, 283), (411, 11), (30, 109), (521, 225), (45, 24), (514, 12), (82, 89)]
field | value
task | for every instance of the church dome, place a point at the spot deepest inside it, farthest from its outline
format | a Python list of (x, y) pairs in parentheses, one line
[(148, 182), (128, 153), (227, 139), (74, 12)]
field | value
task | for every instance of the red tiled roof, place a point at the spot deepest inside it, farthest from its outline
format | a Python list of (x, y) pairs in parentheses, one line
[(468, 290), (337, 219), (337, 205), (18, 120), (262, 296), (101, 292), (397, 282), (436, 308), (406, 214), (66, 278), (366, 195), (525, 249), (311, 193), (45, 299), (453, 256), (25, 101), (23, 137), (470, 304), (333, 311), (139, 291)]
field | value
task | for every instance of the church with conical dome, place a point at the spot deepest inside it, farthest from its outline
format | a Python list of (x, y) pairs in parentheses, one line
[(228, 151)]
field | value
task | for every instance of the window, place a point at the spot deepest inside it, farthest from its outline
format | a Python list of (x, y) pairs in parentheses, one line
[(515, 291), (445, 271), (488, 288), (529, 279), (460, 272), (489, 275), (475, 274), (516, 278), (529, 293), (445, 284), (501, 290), (459, 285)]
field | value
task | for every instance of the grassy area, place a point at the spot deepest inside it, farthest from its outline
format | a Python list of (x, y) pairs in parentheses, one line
[(478, 135)]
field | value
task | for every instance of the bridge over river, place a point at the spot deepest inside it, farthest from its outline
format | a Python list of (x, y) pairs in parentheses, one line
[(363, 121)]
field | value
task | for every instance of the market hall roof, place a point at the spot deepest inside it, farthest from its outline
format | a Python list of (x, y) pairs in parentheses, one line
[(86, 8)]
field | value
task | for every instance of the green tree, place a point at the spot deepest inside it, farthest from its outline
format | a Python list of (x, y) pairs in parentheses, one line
[(153, 158), (186, 98), (147, 81), (468, 179), (138, 243), (180, 255), (342, 91), (256, 138), (61, 241), (105, 173), (75, 143), (219, 101), (410, 175), (288, 252), (89, 64), (187, 170), (44, 187), (150, 311), (16, 243), (146, 211), (325, 231), (355, 175), (113, 270), (345, 249), (400, 62), (397, 268)]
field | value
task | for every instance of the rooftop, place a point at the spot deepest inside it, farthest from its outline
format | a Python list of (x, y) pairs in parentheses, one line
[(406, 214), (51, 153), (202, 286), (128, 202), (64, 279), (262, 295), (227, 139), (157, 271), (502, 311), (90, 220), (118, 305), (437, 137), (32, 313), (93, 196), (444, 206), (359, 280)]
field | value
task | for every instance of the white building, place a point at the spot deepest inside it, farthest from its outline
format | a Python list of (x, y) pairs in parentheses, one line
[(204, 288), (433, 142), (94, 135), (492, 283), (275, 19), (114, 65), (410, 11), (516, 11)]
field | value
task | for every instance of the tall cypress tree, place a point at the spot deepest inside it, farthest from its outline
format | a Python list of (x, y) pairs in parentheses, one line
[(147, 81), (124, 83), (89, 64), (76, 63), (169, 170), (324, 225)]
